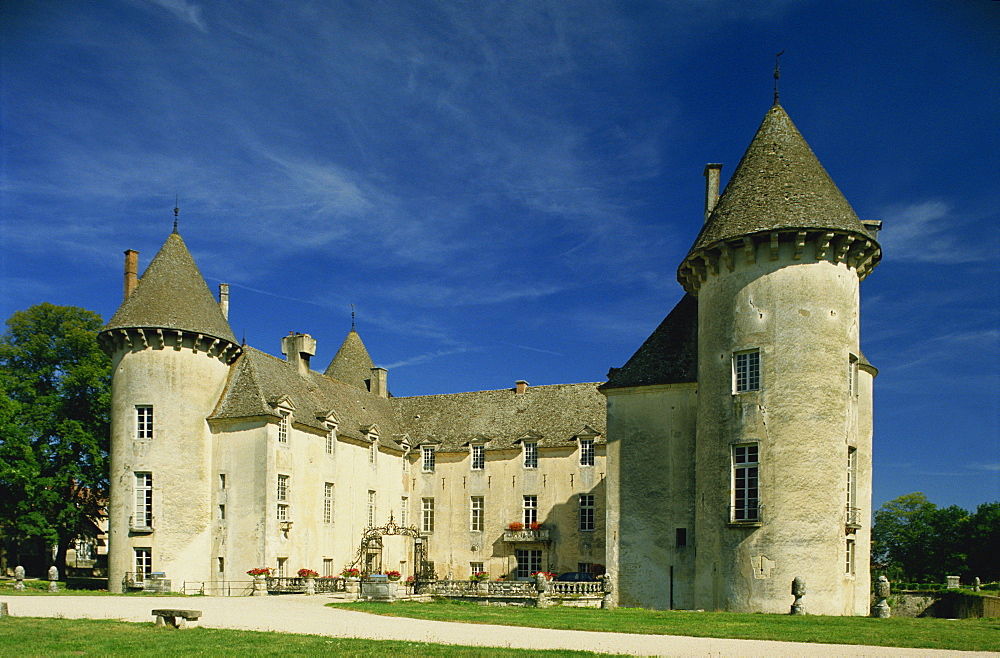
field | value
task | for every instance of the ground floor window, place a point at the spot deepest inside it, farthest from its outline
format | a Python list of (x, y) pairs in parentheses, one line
[(280, 570), (585, 567), (143, 563), (528, 562), (476, 567), (328, 567)]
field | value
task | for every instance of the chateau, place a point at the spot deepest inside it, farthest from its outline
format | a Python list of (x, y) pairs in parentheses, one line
[(729, 455)]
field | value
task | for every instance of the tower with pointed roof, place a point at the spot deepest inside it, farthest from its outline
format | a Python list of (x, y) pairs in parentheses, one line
[(747, 414)]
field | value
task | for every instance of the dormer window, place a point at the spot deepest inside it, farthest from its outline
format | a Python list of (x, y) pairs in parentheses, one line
[(428, 454), (530, 454), (331, 439), (586, 452), (478, 457), (283, 428)]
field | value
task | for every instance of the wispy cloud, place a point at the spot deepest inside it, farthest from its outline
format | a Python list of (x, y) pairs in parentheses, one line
[(186, 11), (926, 232)]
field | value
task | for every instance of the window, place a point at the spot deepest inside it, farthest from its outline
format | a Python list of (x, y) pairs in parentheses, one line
[(586, 511), (746, 370), (280, 570), (328, 502), (143, 501), (852, 375), (143, 563), (428, 453), (222, 512), (586, 452), (528, 562), (530, 454), (427, 515), (682, 537), (328, 567), (746, 500), (404, 511), (222, 480), (852, 486), (283, 498), (849, 558), (373, 450), (477, 511), (584, 567), (478, 458), (371, 508), (144, 422), (283, 428), (330, 438), (476, 567), (530, 510), (221, 563)]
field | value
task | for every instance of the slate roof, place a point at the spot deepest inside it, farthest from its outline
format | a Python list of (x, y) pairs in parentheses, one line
[(351, 363), (669, 355), (556, 413), (257, 380), (779, 184), (172, 294)]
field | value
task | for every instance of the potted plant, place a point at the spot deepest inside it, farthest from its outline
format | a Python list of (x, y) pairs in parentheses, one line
[(479, 576), (516, 526), (534, 525), (351, 573), (259, 572), (393, 575), (307, 573), (260, 575)]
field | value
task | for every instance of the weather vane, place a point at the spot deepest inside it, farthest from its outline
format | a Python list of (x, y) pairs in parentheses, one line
[(352, 317), (777, 74), (176, 211)]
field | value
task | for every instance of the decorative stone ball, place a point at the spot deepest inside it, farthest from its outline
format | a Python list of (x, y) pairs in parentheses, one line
[(53, 573)]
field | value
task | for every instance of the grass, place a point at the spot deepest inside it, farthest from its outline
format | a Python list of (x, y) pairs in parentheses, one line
[(952, 634), (30, 636)]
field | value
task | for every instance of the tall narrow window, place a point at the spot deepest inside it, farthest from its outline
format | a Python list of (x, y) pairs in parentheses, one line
[(143, 501), (427, 515), (586, 452), (428, 453), (283, 428), (530, 454), (852, 375), (222, 480), (528, 562), (404, 511), (143, 563), (849, 558), (328, 567), (328, 502), (853, 514), (681, 537), (478, 457), (371, 509), (222, 512), (283, 493), (530, 509), (746, 371), (282, 564), (143, 422), (330, 438), (586, 511), (746, 501), (373, 450), (477, 511)]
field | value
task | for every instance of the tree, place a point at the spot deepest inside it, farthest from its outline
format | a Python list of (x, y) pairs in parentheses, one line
[(984, 542), (54, 425)]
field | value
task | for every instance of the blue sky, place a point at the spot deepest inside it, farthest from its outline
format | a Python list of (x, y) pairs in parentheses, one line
[(505, 189)]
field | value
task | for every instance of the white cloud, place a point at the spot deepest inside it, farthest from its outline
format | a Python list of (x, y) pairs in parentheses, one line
[(186, 11), (925, 232)]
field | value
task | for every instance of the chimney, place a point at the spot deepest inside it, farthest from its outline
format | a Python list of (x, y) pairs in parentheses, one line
[(520, 386), (224, 299), (297, 349), (131, 271), (711, 187), (379, 382)]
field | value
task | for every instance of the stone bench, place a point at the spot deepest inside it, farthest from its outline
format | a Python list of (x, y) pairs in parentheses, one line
[(176, 618)]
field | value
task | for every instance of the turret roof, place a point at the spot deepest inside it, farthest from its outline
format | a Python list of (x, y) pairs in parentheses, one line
[(172, 294), (779, 184), (351, 364)]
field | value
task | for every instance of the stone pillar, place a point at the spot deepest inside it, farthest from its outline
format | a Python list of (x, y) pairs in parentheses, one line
[(542, 587), (310, 585), (608, 602), (353, 586), (260, 585), (798, 591), (19, 576), (882, 589), (53, 579), (953, 582), (976, 583)]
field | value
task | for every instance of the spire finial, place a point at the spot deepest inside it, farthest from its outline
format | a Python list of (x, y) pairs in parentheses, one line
[(177, 211), (352, 317), (777, 74)]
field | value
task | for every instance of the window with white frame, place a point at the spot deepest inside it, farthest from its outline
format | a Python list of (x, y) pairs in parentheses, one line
[(143, 563), (586, 452), (477, 510), (478, 457), (746, 371), (143, 422), (586, 511), (143, 501), (849, 558), (371, 508), (331, 438), (427, 515), (476, 567), (530, 454), (530, 510), (328, 502), (283, 497), (281, 568), (746, 495), (852, 375), (404, 511), (283, 428), (328, 567), (428, 453), (528, 562), (373, 450), (852, 485)]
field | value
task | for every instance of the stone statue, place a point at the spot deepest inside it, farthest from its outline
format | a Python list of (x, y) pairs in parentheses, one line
[(798, 591), (19, 577), (882, 589), (976, 584), (542, 586), (53, 579)]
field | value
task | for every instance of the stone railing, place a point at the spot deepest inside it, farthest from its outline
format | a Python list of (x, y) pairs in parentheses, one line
[(218, 588), (523, 592), (557, 588), (542, 534)]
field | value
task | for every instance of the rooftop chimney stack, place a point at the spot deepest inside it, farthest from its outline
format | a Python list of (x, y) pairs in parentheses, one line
[(379, 382), (520, 386), (711, 173), (298, 348), (131, 271), (224, 299)]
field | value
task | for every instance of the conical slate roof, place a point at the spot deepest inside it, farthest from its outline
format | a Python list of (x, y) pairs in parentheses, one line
[(172, 294), (352, 364), (779, 184)]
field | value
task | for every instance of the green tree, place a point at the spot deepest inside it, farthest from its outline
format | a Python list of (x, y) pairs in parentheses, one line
[(984, 542), (54, 425)]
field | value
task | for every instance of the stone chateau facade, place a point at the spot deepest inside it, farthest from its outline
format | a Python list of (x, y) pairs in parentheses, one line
[(729, 455)]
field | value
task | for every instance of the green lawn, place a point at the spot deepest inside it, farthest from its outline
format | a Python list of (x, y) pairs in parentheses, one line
[(30, 636), (962, 634)]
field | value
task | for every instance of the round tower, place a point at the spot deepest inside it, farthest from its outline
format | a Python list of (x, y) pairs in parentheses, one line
[(171, 347), (783, 440)]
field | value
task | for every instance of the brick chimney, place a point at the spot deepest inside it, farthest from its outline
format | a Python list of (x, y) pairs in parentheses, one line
[(520, 386), (298, 348), (131, 271), (711, 173), (379, 382)]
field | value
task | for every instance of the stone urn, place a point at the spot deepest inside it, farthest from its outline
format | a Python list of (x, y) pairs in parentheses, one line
[(53, 579), (260, 585), (881, 608), (19, 576), (310, 585)]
